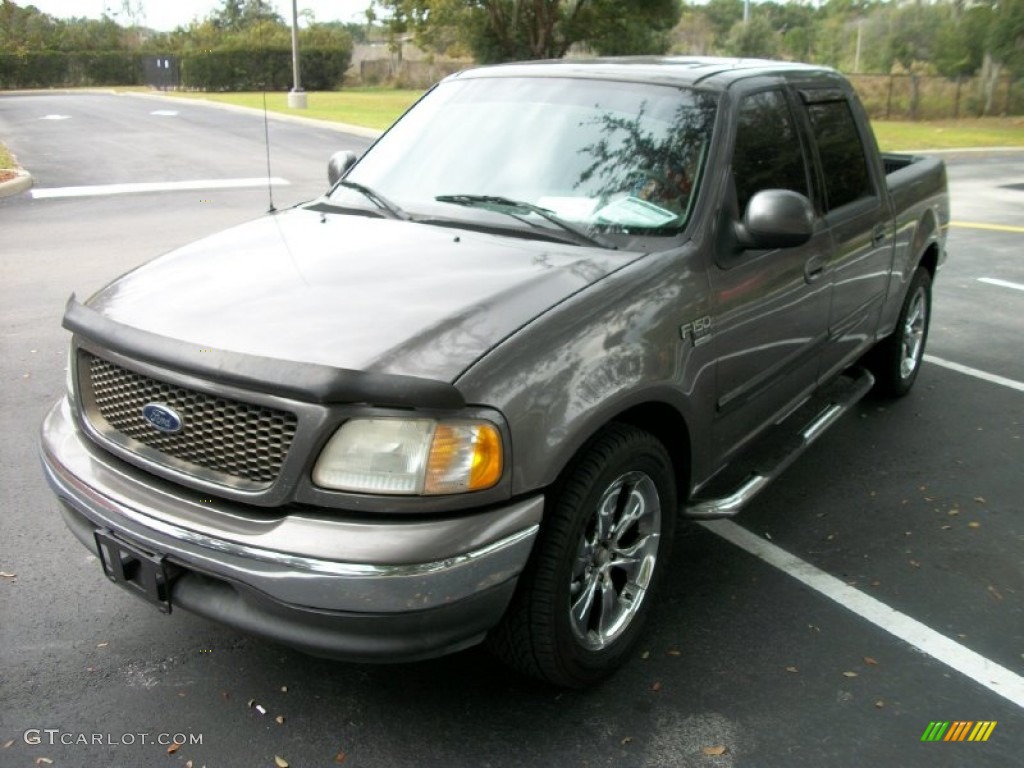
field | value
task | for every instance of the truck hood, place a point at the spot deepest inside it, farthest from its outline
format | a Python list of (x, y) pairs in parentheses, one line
[(352, 292)]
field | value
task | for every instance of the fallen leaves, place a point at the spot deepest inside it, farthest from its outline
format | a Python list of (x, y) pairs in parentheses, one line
[(340, 757), (280, 762), (626, 740), (7, 744), (715, 751), (102, 645), (8, 576), (284, 689), (656, 687), (974, 524), (792, 669), (850, 674), (869, 660), (279, 719), (994, 592), (879, 704), (44, 761), (173, 748)]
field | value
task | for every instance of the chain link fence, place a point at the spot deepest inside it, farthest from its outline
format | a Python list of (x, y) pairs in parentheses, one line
[(925, 97)]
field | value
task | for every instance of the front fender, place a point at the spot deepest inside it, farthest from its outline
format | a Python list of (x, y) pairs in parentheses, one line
[(612, 347)]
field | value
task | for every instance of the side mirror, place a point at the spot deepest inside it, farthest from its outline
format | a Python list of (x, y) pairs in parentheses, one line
[(339, 164), (776, 218)]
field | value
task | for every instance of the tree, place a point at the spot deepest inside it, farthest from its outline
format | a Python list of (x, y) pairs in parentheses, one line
[(508, 30), (236, 15), (753, 39)]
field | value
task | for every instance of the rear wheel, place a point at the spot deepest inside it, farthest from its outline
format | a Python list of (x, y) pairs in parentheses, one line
[(582, 600), (896, 360)]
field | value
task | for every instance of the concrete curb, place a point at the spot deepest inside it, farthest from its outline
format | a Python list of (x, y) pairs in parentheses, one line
[(20, 183)]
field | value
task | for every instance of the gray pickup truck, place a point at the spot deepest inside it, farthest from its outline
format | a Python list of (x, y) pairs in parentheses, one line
[(466, 394)]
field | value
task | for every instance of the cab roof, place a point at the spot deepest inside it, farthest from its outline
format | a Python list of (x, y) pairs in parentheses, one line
[(706, 71)]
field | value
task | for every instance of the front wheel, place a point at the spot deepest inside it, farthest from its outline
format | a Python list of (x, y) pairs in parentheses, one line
[(582, 599), (896, 360)]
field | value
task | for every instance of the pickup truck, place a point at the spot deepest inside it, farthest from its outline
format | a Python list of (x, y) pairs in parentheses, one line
[(466, 395)]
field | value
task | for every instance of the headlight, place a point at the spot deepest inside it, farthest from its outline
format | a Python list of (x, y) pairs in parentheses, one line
[(411, 456)]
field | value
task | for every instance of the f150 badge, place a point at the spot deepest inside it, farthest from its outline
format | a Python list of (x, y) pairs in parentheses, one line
[(698, 331)]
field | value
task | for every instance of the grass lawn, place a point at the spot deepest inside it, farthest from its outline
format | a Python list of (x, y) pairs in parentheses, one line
[(6, 159), (896, 136), (6, 164), (369, 107)]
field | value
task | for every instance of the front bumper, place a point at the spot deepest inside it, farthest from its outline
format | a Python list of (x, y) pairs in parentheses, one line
[(358, 588)]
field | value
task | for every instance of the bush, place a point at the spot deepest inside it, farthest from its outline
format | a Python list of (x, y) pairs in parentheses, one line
[(51, 69), (217, 70), (256, 70)]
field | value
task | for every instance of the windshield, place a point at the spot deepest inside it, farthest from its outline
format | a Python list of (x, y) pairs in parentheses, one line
[(604, 157)]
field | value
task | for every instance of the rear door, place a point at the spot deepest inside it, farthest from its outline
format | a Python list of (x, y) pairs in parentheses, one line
[(857, 215)]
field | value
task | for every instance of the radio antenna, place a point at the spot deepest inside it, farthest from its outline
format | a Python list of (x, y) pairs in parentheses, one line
[(266, 140), (266, 121)]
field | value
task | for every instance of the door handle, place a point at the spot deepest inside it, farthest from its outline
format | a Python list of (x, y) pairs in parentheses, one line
[(878, 235), (814, 268)]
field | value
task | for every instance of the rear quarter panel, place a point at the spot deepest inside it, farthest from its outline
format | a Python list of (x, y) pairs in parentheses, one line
[(920, 201)]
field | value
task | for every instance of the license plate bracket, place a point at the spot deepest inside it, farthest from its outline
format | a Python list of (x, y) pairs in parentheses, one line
[(147, 575)]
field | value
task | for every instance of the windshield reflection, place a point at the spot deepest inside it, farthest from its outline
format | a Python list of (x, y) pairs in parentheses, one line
[(606, 156)]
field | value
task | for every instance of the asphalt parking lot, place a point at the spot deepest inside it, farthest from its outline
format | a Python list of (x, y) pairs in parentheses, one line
[(878, 586)]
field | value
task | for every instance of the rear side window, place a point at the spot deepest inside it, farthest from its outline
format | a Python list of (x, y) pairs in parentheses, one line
[(842, 153), (767, 153)]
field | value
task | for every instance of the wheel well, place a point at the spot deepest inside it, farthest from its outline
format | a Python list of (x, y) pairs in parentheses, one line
[(667, 424), (930, 260)]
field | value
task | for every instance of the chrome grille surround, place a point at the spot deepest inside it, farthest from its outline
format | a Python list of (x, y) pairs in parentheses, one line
[(226, 441)]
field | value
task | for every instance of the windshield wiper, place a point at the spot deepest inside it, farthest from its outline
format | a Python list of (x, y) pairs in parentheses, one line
[(500, 204), (393, 210)]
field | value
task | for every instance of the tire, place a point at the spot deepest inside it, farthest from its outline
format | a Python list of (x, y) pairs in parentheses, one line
[(583, 597), (896, 361)]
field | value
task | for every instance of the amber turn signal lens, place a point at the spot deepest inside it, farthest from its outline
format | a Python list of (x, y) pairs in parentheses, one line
[(463, 457)]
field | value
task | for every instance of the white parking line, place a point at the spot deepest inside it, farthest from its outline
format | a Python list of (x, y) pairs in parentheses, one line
[(1002, 283), (990, 377), (155, 186), (995, 677)]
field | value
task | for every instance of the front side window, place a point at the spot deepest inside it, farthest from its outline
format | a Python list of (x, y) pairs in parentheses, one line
[(842, 153), (767, 153), (610, 157)]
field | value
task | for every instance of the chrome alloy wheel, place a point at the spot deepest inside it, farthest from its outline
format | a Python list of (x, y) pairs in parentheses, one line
[(914, 326), (615, 560)]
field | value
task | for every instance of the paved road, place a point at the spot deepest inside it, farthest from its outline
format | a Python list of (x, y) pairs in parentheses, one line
[(740, 654)]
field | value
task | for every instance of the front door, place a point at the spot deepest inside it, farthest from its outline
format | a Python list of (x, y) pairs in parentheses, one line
[(770, 308)]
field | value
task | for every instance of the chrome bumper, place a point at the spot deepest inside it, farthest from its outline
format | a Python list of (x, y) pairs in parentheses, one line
[(282, 570)]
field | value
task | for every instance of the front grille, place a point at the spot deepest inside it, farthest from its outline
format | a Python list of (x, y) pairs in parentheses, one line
[(224, 440)]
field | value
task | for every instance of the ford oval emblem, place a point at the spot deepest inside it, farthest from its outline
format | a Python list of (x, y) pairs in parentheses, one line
[(162, 417)]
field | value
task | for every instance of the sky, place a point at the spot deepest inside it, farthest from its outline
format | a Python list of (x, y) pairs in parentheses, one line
[(165, 15)]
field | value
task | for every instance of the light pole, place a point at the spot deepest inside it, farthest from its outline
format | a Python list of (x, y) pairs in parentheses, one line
[(296, 96)]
